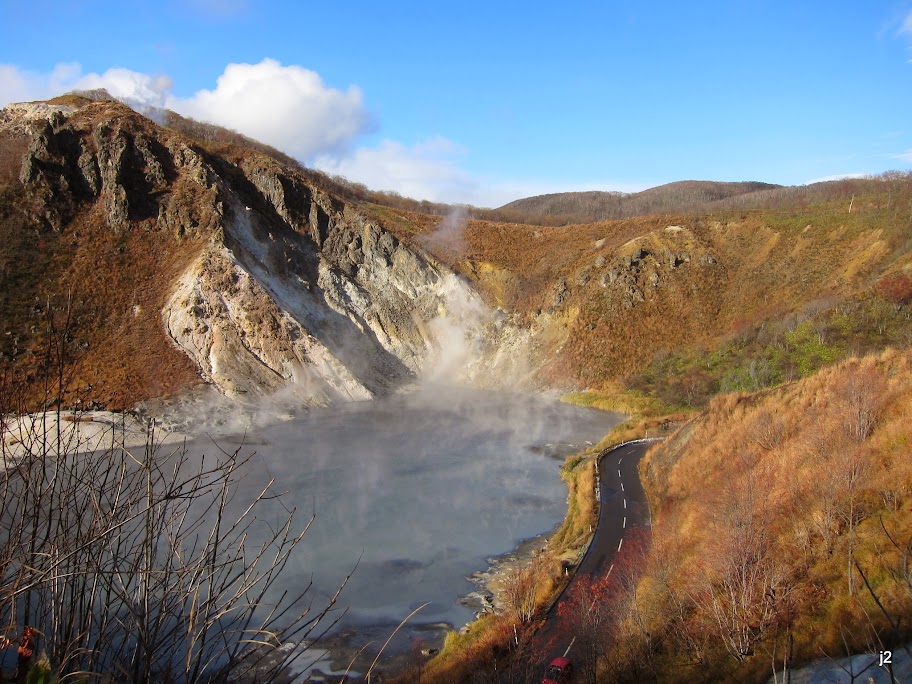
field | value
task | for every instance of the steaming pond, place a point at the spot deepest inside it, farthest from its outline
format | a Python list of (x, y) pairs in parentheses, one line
[(424, 488)]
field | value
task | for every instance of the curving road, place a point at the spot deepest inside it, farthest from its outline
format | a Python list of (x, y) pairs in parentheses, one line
[(623, 507)]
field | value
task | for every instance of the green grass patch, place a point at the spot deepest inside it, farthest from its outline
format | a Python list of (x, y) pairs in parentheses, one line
[(808, 350), (616, 400), (773, 352)]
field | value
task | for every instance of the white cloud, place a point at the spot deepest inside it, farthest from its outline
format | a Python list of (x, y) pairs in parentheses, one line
[(906, 25), (835, 177), (904, 156), (288, 107), (20, 85), (429, 170), (132, 87), (424, 171), (15, 86)]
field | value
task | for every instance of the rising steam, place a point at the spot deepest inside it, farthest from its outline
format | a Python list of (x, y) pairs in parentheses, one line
[(458, 334), (458, 331), (448, 240)]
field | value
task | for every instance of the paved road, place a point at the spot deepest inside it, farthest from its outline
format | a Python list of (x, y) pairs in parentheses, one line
[(623, 506)]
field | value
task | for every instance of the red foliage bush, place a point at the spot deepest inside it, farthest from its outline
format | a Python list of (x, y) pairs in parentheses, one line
[(896, 289)]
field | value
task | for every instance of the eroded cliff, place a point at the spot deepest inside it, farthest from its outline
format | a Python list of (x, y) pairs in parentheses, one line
[(278, 285)]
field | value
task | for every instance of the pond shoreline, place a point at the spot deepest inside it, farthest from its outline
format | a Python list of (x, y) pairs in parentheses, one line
[(516, 493)]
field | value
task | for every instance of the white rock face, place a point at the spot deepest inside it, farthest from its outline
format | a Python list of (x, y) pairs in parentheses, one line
[(15, 117), (266, 310), (295, 291), (243, 342)]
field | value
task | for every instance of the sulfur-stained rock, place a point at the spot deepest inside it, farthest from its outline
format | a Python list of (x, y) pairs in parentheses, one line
[(290, 287)]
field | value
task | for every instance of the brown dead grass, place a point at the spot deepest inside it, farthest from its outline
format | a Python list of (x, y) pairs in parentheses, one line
[(111, 285), (741, 269), (789, 449), (130, 356), (696, 287), (115, 287)]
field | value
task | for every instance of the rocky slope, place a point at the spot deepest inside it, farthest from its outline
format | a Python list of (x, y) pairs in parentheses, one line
[(277, 284), (191, 255)]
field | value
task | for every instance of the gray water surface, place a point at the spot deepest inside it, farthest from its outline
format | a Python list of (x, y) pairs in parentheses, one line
[(423, 488)]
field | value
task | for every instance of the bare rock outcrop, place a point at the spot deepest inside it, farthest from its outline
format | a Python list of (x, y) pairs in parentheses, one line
[(289, 287), (647, 264)]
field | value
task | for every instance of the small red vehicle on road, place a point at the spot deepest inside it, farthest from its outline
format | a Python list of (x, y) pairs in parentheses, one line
[(560, 671)]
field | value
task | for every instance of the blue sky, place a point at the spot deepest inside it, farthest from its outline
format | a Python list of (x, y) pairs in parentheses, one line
[(469, 102)]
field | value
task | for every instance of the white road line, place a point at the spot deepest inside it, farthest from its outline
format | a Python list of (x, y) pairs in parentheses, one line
[(622, 486), (625, 503), (619, 461), (619, 473), (619, 543), (610, 569), (625, 522)]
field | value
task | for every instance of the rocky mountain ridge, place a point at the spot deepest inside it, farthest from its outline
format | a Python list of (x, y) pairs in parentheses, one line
[(281, 284), (192, 257)]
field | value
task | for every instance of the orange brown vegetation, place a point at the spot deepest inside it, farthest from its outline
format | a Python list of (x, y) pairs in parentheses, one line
[(897, 289), (782, 526), (584, 207), (89, 292), (534, 260), (112, 288), (495, 642), (673, 198), (618, 295), (582, 515), (728, 297)]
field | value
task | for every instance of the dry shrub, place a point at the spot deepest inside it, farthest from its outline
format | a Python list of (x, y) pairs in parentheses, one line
[(12, 149), (581, 514), (141, 567), (897, 289), (861, 389), (808, 470), (521, 591)]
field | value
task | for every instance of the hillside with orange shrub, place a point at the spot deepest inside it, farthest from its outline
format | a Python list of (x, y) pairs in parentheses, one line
[(679, 305), (782, 531), (778, 320), (687, 305)]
